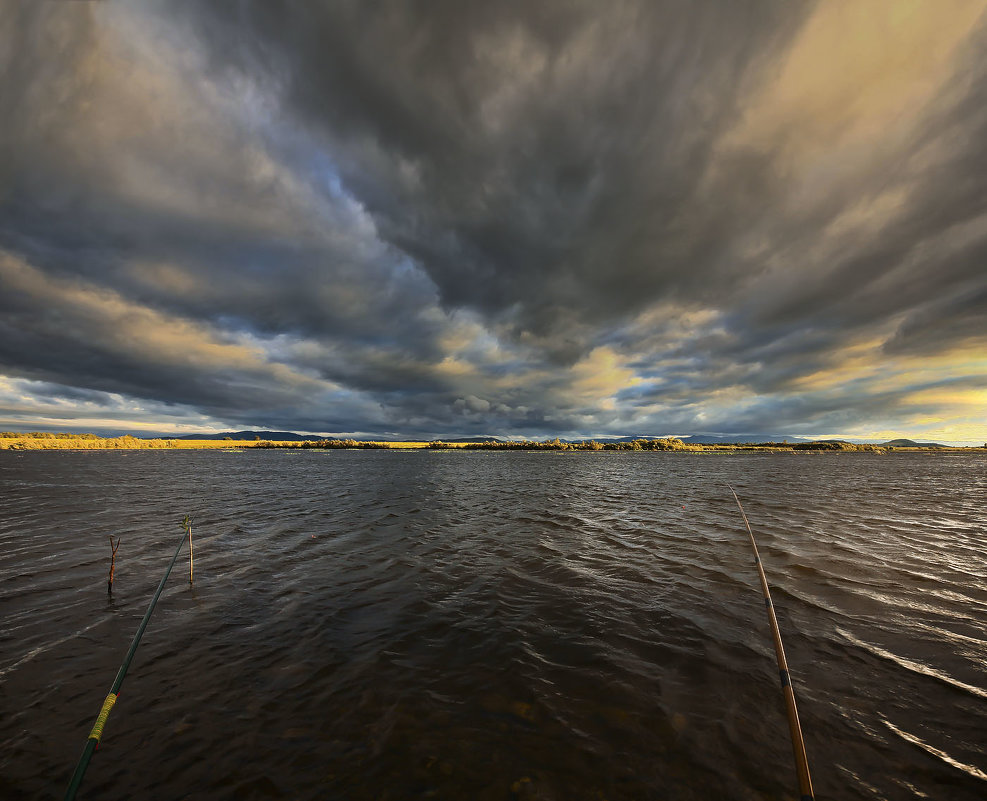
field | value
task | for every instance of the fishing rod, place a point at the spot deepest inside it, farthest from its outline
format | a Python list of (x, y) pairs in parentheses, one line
[(798, 744), (97, 731)]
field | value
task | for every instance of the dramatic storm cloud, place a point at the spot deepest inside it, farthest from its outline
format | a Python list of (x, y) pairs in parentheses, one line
[(530, 218)]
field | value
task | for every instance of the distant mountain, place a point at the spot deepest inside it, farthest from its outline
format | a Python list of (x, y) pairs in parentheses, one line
[(290, 436), (630, 438), (705, 439), (276, 436), (471, 439), (695, 439), (738, 439)]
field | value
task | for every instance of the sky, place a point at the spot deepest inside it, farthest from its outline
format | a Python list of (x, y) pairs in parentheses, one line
[(531, 219)]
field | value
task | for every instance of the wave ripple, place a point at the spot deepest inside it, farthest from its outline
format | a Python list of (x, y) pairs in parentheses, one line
[(369, 625)]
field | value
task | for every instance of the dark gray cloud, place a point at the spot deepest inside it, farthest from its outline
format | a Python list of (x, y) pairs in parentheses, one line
[(515, 217), (529, 155)]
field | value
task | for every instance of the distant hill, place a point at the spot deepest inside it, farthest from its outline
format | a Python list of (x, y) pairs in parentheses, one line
[(739, 439), (276, 436), (630, 438), (703, 439), (472, 439), (910, 443), (691, 439), (290, 436)]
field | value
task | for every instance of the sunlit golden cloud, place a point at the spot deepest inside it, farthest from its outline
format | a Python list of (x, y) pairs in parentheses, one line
[(857, 76)]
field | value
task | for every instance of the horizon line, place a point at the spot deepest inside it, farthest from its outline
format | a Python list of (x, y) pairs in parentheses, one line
[(364, 436)]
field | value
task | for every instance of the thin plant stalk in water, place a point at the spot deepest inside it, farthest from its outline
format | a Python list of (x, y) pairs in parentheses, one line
[(113, 564)]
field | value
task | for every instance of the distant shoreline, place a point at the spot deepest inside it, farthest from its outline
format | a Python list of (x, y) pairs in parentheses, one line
[(44, 441)]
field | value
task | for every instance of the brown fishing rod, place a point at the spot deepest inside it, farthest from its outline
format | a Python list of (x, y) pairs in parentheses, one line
[(798, 744)]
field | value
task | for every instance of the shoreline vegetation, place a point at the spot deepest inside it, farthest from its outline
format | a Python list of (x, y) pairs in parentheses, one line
[(51, 441)]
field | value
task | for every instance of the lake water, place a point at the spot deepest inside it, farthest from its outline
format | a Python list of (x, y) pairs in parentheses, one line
[(473, 625)]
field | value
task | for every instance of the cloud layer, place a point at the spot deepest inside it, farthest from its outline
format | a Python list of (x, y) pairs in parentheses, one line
[(519, 218)]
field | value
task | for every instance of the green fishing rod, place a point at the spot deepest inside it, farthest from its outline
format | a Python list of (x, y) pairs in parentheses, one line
[(97, 731), (798, 744)]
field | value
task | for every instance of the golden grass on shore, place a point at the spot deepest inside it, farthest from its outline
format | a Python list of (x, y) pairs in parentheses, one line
[(47, 441), (89, 442)]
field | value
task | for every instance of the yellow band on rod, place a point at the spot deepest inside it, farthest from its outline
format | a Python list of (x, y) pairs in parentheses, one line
[(104, 713)]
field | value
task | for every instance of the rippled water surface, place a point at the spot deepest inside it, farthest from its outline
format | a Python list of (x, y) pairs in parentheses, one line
[(469, 625)]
